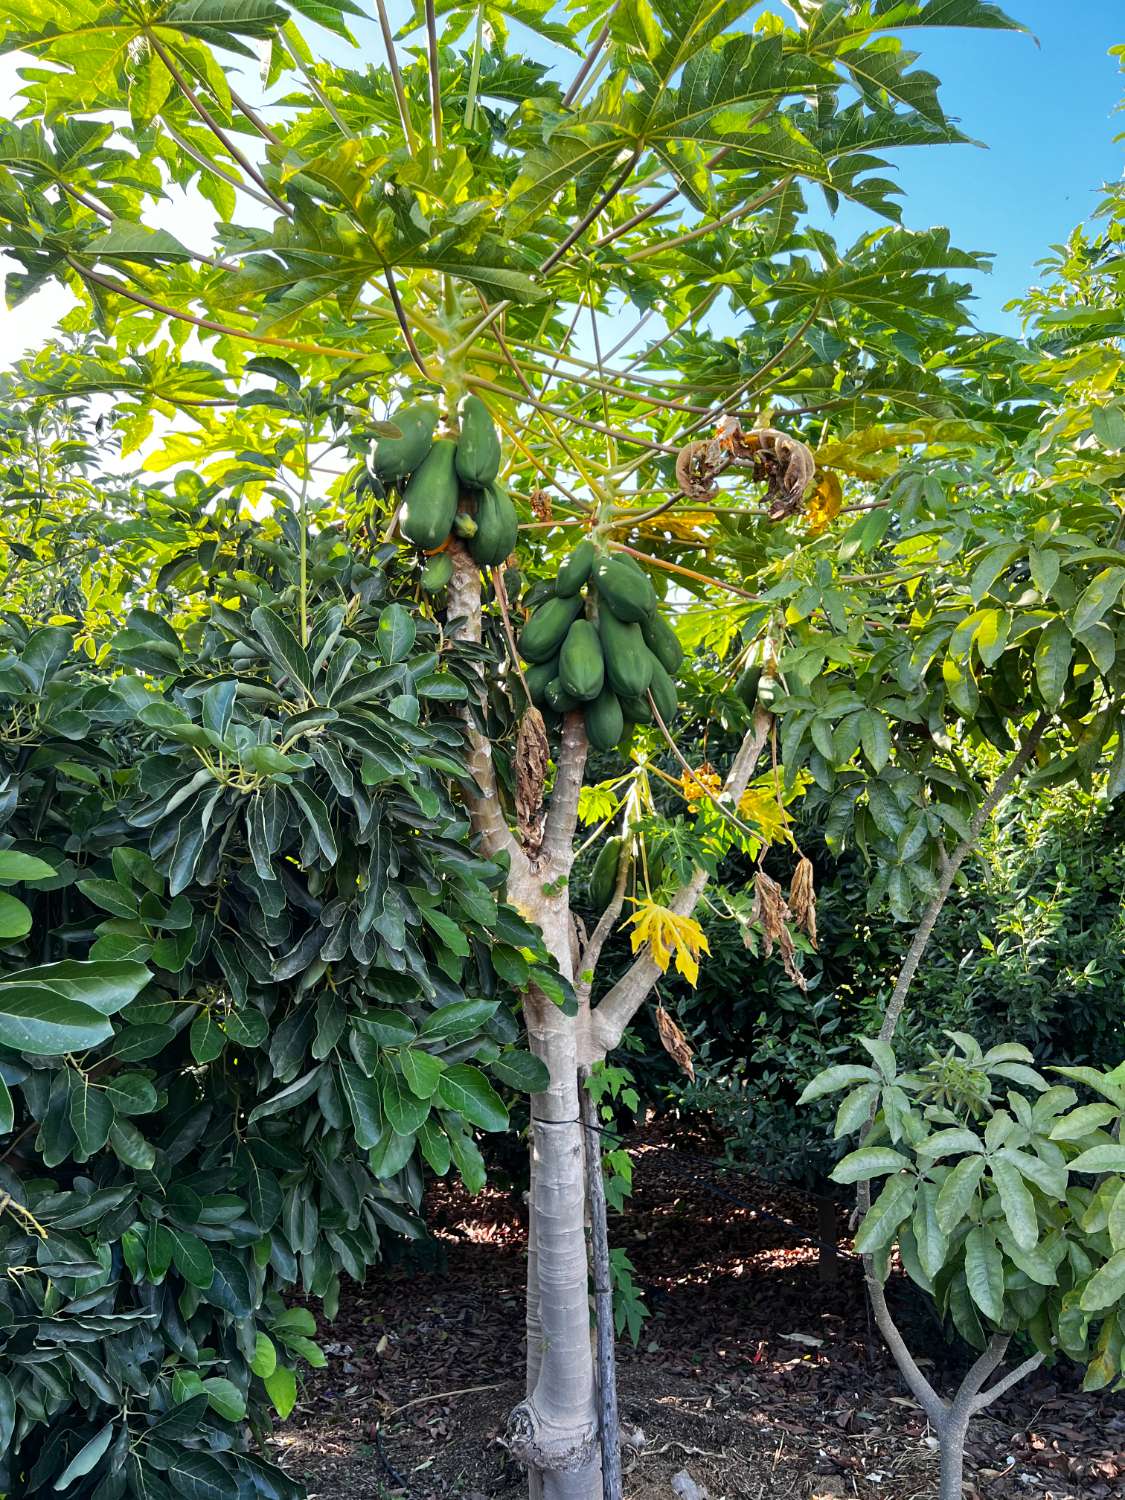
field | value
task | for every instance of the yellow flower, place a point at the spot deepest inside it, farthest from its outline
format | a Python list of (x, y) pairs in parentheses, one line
[(696, 785), (666, 933)]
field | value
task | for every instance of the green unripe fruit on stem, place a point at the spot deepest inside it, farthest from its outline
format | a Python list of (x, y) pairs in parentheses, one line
[(605, 722), (663, 691), (559, 699), (581, 666), (575, 569), (663, 642), (393, 458), (437, 573), (537, 679), (544, 633), (497, 527), (464, 525), (478, 445), (603, 877), (628, 661), (429, 502), (624, 590), (746, 688)]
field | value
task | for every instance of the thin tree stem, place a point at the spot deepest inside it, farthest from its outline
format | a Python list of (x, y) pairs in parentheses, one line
[(598, 207), (433, 57), (215, 128), (474, 69), (588, 62), (400, 314), (396, 78)]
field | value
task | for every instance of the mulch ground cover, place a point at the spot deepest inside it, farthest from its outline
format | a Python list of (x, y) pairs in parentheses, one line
[(752, 1373)]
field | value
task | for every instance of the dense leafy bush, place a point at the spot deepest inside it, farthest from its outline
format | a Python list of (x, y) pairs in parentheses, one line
[(249, 976)]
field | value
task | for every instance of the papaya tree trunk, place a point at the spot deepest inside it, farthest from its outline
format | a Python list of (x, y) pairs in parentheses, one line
[(554, 1430)]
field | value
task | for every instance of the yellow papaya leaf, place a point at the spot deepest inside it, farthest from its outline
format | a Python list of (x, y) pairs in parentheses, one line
[(667, 933)]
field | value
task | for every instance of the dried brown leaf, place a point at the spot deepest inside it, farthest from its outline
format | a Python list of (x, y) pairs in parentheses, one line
[(531, 773), (674, 1042), (802, 898)]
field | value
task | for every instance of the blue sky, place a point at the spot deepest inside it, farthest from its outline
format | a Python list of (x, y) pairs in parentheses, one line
[(1046, 115)]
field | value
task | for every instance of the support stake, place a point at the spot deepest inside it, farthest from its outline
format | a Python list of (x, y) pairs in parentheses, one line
[(609, 1425)]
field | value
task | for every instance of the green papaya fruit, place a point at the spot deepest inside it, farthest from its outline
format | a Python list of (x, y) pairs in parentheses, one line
[(663, 642), (605, 723), (478, 445), (437, 573), (497, 527), (537, 678), (624, 590), (544, 633), (581, 665), (663, 691), (636, 710), (464, 525), (603, 877), (574, 569), (429, 502), (628, 661), (558, 698), (746, 688), (393, 458)]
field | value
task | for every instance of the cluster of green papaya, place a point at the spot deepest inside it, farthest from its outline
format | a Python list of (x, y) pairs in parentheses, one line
[(438, 477), (606, 659)]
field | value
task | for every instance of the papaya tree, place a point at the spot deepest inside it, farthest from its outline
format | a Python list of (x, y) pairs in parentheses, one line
[(466, 272)]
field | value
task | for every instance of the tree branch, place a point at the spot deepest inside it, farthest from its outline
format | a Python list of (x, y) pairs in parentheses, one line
[(923, 1392), (981, 1369), (562, 811), (620, 1004), (485, 812), (1013, 1377), (1000, 788)]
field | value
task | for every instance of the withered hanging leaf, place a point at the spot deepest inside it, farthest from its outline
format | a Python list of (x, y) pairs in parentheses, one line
[(674, 1042), (531, 774), (772, 915), (784, 463), (802, 898)]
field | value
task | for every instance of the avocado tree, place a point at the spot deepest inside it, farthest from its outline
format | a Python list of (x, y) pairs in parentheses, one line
[(984, 1201), (453, 276)]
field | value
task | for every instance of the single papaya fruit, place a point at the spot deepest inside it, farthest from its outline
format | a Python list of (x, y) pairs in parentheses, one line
[(544, 633), (636, 710), (393, 458), (497, 527), (478, 445), (464, 525), (605, 723), (628, 661), (663, 642), (437, 573), (746, 688), (624, 590), (581, 665), (603, 877), (574, 569), (429, 502), (537, 678), (558, 698), (663, 691)]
